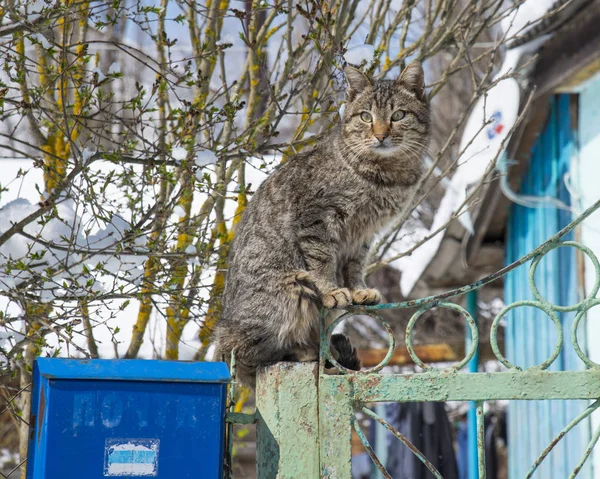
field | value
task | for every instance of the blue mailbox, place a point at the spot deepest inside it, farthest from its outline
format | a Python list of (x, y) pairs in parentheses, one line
[(97, 419)]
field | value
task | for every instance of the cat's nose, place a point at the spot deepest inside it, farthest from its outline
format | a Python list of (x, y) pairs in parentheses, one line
[(381, 136)]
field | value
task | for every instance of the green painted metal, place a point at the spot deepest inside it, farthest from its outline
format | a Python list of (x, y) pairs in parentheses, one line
[(288, 421), (326, 332), (585, 414), (586, 454), (306, 414), (480, 438), (546, 308), (336, 416), (532, 383), (371, 452), (470, 322), (240, 418), (455, 386)]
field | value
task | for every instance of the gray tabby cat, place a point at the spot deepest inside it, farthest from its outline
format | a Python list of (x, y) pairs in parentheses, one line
[(305, 236)]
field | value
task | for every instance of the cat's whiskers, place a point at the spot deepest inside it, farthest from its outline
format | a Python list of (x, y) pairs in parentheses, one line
[(412, 147), (414, 154), (416, 148), (355, 148)]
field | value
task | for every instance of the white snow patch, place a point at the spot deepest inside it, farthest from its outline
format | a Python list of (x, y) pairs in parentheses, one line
[(65, 230), (205, 157), (528, 12), (210, 352), (179, 153), (228, 38), (13, 212), (8, 458), (114, 68), (412, 266), (101, 76), (43, 40), (179, 211), (87, 154)]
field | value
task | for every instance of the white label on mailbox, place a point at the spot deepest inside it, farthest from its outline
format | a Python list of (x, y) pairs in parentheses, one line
[(131, 457)]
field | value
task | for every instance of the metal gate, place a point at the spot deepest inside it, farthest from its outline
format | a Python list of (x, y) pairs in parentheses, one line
[(305, 416)]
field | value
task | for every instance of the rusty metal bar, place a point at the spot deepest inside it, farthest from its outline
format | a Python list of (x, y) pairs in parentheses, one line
[(440, 386), (586, 454), (404, 441), (369, 449), (580, 417), (480, 438)]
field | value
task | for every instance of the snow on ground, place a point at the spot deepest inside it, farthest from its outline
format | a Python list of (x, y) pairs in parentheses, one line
[(21, 199)]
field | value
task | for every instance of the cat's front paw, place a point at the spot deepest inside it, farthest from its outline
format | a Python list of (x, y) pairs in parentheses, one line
[(366, 296), (337, 298)]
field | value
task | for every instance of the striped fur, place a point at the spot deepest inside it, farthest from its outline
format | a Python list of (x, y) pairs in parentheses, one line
[(305, 235)]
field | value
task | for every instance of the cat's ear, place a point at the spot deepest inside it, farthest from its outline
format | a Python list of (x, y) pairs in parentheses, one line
[(357, 82), (413, 78)]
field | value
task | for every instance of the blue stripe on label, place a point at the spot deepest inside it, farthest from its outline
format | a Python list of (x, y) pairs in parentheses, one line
[(132, 457)]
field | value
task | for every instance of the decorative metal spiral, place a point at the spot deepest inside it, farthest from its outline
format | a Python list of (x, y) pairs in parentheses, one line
[(539, 302)]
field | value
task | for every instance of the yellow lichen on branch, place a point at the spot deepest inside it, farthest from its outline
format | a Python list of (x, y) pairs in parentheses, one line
[(177, 312), (139, 328), (218, 286)]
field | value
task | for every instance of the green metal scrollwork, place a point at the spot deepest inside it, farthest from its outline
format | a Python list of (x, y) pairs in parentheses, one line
[(470, 322), (326, 348), (535, 382)]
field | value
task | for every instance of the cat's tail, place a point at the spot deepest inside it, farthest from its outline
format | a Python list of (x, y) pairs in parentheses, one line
[(245, 374), (345, 354)]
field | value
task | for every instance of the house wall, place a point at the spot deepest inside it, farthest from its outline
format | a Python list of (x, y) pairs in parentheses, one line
[(587, 188), (530, 335)]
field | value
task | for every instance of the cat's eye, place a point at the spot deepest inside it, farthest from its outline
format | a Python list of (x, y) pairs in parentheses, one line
[(398, 115), (366, 117)]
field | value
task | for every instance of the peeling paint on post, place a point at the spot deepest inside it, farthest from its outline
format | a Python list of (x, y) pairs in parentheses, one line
[(336, 414), (440, 386), (288, 425)]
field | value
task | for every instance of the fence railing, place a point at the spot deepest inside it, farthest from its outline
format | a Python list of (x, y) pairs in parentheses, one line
[(306, 414)]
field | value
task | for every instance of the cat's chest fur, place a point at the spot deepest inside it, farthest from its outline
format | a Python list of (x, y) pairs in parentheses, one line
[(320, 187), (373, 210)]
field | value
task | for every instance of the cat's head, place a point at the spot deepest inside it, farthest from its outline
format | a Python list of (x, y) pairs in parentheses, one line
[(386, 118)]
